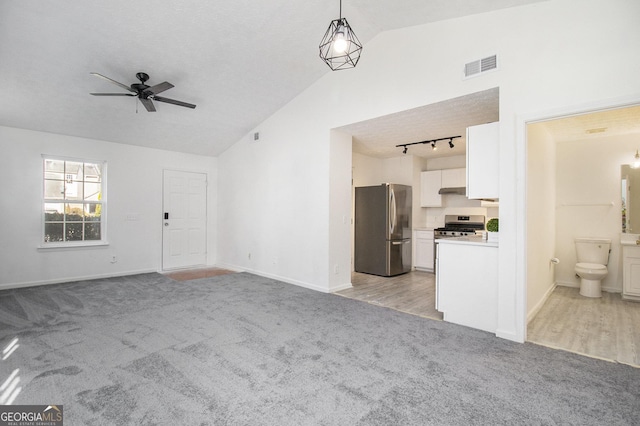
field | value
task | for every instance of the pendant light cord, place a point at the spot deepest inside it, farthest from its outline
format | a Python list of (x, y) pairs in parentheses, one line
[(340, 9)]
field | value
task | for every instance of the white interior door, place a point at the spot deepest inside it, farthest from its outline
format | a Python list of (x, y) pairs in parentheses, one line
[(184, 236)]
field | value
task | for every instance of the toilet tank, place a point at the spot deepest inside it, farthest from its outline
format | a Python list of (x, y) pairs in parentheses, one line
[(593, 250)]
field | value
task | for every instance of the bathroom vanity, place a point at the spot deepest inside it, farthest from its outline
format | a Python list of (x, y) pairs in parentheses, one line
[(631, 269)]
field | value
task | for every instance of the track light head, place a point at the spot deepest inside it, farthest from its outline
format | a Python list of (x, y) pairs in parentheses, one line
[(406, 148), (450, 143), (433, 146)]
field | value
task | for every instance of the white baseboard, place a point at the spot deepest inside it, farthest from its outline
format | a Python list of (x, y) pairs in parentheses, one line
[(285, 279), (577, 285), (340, 288), (571, 284), (74, 279), (509, 335), (531, 315)]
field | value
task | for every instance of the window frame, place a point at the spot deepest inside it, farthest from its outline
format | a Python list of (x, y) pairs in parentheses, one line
[(102, 202)]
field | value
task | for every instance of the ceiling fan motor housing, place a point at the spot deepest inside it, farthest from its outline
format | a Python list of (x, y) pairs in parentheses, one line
[(138, 87), (142, 76)]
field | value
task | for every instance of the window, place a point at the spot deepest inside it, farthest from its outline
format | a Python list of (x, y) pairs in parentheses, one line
[(74, 201)]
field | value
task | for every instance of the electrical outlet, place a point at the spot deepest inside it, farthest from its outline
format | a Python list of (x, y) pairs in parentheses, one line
[(114, 259), (249, 256)]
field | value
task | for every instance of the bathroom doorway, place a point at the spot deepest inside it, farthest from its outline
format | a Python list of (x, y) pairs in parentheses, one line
[(574, 190)]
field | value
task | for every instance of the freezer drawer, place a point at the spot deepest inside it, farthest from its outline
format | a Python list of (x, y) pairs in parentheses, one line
[(399, 255)]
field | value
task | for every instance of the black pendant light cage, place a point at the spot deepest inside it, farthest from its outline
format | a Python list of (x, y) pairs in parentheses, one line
[(339, 59)]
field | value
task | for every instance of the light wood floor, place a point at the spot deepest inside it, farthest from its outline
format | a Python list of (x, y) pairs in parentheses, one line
[(606, 327), (412, 293), (194, 274)]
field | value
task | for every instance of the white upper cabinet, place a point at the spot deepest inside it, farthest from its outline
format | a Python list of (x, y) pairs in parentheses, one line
[(454, 178), (483, 172), (430, 184)]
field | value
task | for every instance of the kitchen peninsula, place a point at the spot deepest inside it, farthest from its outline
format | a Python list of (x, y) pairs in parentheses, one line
[(467, 281)]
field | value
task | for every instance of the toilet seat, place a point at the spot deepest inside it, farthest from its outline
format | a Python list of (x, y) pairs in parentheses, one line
[(593, 267)]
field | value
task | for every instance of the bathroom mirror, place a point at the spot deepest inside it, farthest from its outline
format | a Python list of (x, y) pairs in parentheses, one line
[(630, 184)]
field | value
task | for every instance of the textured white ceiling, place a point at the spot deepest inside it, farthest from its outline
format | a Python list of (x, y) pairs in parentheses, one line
[(612, 122), (378, 137), (238, 61)]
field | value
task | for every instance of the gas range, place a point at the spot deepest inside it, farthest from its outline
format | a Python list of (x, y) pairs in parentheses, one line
[(460, 226)]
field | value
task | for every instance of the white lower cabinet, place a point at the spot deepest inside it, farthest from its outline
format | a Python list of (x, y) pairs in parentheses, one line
[(467, 284), (424, 250), (631, 272)]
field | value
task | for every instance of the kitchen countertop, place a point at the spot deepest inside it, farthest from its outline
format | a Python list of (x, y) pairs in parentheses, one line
[(470, 241)]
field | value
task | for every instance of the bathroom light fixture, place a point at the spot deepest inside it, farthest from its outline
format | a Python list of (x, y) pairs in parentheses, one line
[(431, 141), (340, 48), (636, 162)]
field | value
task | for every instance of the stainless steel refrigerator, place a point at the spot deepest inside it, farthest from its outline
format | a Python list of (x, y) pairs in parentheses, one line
[(383, 229)]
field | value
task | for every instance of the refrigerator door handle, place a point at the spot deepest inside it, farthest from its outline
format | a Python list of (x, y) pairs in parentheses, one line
[(396, 243), (392, 211)]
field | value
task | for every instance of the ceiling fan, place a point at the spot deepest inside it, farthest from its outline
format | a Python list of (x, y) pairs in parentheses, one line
[(144, 92)]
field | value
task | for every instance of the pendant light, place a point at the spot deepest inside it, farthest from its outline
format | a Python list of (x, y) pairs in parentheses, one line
[(340, 48)]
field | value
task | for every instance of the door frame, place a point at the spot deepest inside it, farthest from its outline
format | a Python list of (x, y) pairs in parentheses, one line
[(522, 121)]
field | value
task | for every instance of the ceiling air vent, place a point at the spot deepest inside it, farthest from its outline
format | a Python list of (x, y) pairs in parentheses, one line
[(475, 68)]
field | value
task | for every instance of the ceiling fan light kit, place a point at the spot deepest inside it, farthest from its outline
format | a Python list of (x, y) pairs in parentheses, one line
[(340, 48), (146, 94)]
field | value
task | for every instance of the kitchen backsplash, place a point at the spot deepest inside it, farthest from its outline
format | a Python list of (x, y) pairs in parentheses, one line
[(435, 215)]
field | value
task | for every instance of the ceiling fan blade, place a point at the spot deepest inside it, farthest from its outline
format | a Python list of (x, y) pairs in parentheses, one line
[(112, 94), (148, 104), (158, 88), (173, 101), (124, 86)]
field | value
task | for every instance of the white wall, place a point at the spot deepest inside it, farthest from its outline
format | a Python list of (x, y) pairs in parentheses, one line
[(134, 187), (340, 220), (588, 172), (586, 54), (541, 217), (367, 171)]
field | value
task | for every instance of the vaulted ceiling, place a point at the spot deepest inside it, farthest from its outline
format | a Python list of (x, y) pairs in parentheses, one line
[(238, 61)]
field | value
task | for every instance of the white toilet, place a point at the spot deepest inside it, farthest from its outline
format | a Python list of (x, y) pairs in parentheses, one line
[(592, 255)]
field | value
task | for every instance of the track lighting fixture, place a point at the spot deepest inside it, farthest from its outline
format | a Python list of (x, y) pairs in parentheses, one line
[(340, 48), (433, 144), (636, 161)]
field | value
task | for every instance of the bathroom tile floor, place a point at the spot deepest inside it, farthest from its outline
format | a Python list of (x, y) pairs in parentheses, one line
[(607, 327)]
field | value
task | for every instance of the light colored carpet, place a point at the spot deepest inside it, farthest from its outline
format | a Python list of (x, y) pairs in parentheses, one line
[(240, 349)]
